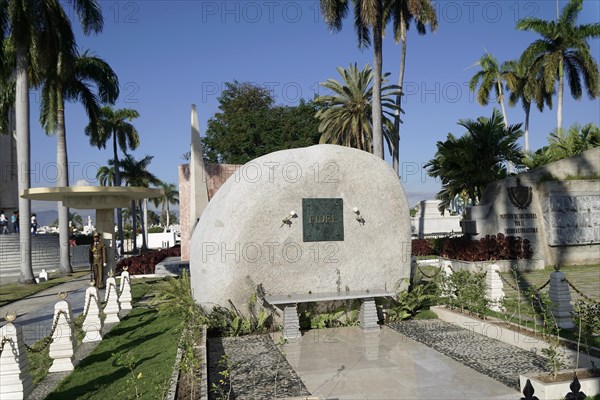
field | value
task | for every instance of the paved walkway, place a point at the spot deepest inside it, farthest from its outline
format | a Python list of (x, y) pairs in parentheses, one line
[(35, 313)]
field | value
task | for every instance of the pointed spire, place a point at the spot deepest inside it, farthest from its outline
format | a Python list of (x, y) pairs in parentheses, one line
[(199, 190)]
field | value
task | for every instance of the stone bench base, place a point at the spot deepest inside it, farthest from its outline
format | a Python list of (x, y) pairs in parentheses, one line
[(368, 318)]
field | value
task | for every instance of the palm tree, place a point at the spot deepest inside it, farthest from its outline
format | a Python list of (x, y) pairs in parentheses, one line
[(69, 81), (402, 13), (563, 144), (564, 50), (526, 86), (106, 174), (469, 163), (39, 30), (135, 173), (492, 77), (170, 196), (346, 117), (368, 20), (115, 124)]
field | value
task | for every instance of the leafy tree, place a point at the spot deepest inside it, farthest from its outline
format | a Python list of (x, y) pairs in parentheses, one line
[(69, 80), (402, 13), (490, 78), (563, 144), (116, 125), (467, 164), (368, 21), (37, 31), (346, 116), (248, 125), (563, 50)]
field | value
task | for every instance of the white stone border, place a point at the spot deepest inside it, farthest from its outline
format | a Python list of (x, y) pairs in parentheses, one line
[(504, 265)]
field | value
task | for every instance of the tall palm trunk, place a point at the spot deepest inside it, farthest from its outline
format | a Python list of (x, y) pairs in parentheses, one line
[(63, 180), (118, 183), (134, 225), (527, 107), (23, 154), (168, 216), (396, 155), (144, 222), (561, 89), (501, 100), (377, 72)]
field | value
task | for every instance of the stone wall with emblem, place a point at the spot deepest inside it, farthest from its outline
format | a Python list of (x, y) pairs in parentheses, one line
[(554, 207), (320, 219)]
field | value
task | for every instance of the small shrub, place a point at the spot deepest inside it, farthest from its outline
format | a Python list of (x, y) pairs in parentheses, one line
[(145, 263), (494, 247), (421, 247)]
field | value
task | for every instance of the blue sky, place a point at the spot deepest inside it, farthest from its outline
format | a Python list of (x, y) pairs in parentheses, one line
[(170, 54)]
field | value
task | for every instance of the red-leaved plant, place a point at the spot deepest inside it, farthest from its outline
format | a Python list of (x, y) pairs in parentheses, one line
[(494, 247), (145, 263)]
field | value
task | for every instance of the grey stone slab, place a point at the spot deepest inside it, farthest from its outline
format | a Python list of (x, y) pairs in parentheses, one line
[(331, 296), (349, 363)]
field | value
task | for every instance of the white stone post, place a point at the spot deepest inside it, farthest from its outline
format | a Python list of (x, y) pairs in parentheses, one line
[(111, 310), (291, 323), (446, 271), (63, 340), (15, 381), (368, 315), (92, 325), (561, 300), (494, 287), (125, 297)]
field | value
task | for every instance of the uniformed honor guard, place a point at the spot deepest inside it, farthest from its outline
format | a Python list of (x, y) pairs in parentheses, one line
[(98, 260)]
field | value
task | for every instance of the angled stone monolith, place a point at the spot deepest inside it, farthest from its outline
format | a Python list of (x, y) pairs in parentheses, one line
[(92, 325), (199, 192), (63, 338), (111, 309), (125, 287), (15, 381)]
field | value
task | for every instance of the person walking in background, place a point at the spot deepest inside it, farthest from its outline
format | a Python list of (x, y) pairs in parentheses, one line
[(34, 224), (3, 223), (15, 221)]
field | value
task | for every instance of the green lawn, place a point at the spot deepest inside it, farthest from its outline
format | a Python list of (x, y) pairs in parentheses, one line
[(134, 360), (148, 346), (12, 292)]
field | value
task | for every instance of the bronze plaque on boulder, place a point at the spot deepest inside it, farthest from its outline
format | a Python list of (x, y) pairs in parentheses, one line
[(323, 220)]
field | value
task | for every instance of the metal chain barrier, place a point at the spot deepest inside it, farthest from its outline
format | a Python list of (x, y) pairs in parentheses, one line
[(543, 286), (4, 341), (108, 295), (577, 290), (49, 337), (85, 313), (509, 284), (429, 276)]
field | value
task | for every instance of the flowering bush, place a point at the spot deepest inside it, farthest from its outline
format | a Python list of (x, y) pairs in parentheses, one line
[(494, 247), (145, 263)]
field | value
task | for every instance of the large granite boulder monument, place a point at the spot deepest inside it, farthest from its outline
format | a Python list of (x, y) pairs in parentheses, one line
[(319, 219)]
